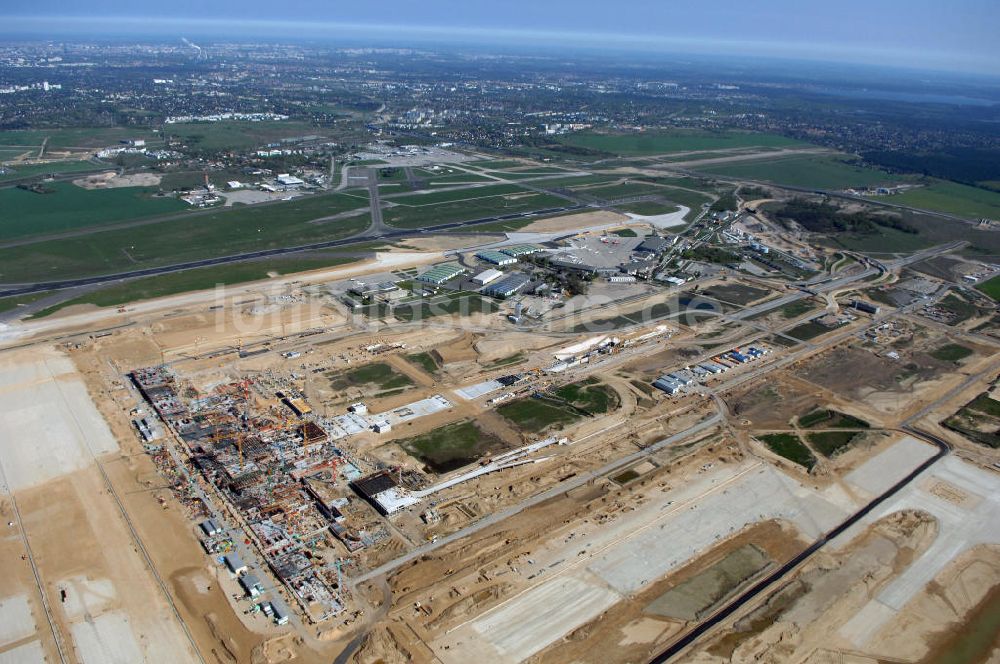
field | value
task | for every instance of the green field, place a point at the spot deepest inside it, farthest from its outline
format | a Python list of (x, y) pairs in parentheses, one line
[(831, 419), (805, 171), (796, 309), (377, 376), (589, 396), (24, 213), (789, 446), (452, 446), (428, 361), (235, 135), (451, 304), (194, 280), (991, 287), (661, 142), (953, 198), (217, 233), (538, 415), (831, 443), (808, 330), (951, 353)]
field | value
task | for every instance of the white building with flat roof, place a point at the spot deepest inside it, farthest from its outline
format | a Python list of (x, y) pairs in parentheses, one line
[(487, 276)]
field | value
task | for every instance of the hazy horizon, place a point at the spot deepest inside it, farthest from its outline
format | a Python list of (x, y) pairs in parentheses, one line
[(923, 35)]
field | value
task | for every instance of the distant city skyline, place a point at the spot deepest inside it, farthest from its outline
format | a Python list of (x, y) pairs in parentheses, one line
[(957, 36)]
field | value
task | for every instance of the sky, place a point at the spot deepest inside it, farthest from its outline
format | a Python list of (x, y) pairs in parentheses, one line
[(958, 35)]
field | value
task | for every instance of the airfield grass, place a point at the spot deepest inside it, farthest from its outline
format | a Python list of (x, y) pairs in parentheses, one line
[(460, 178), (648, 208), (451, 446), (193, 280), (379, 375), (494, 163), (21, 171), (419, 211), (571, 182), (677, 140), (953, 198), (24, 213), (623, 190), (15, 301), (805, 171), (220, 232), (237, 135), (789, 446), (81, 138), (990, 288)]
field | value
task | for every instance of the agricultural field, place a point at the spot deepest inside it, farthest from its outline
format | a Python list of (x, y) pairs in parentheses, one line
[(452, 446), (194, 280), (24, 213), (653, 142), (805, 171), (195, 236), (953, 198)]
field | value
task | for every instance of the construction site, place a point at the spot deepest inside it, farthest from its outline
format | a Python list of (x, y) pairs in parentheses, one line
[(295, 480)]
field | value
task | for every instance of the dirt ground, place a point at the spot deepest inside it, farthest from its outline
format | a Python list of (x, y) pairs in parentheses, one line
[(111, 180)]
